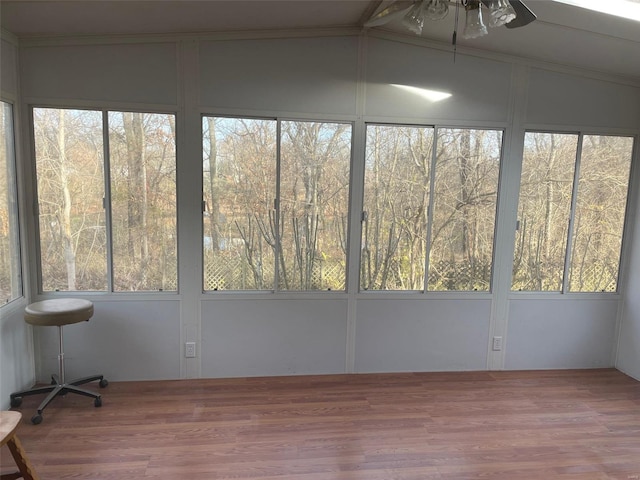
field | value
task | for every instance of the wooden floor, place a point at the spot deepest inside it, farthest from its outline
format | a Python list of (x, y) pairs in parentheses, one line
[(483, 425)]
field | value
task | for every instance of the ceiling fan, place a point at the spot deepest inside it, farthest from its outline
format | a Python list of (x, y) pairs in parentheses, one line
[(511, 13)]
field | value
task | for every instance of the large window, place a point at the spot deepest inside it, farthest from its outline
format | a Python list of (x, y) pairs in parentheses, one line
[(573, 194), (106, 200), (10, 272), (429, 206), (276, 199)]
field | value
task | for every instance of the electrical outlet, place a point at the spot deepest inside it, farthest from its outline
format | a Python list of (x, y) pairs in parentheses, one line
[(497, 344), (190, 349)]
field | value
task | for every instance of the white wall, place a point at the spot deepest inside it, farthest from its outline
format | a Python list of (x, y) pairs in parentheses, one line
[(16, 352), (557, 98), (306, 75), (273, 337), (403, 335), (479, 87), (561, 333), (124, 340), (134, 73), (628, 354), (240, 334)]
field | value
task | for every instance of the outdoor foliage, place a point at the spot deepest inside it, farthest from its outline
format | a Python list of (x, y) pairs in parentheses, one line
[(550, 170), (10, 277), (74, 230), (399, 232), (275, 204), (276, 196)]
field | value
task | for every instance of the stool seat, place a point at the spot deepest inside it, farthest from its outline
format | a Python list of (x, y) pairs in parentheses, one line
[(58, 312)]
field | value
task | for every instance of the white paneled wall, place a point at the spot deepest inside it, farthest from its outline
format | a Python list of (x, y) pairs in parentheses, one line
[(560, 333), (273, 337), (556, 98), (124, 340), (314, 76), (479, 87), (628, 351), (8, 72), (135, 73), (402, 335), (342, 78)]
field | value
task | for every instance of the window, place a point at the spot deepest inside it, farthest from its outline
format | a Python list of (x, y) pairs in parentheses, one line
[(276, 204), (107, 206), (429, 206), (143, 201), (10, 271), (573, 195)]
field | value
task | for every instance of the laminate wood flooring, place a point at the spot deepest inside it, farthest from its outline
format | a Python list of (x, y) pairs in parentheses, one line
[(573, 425)]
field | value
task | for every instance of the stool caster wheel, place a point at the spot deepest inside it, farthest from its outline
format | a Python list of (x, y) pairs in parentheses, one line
[(98, 402), (103, 383), (36, 419), (16, 402)]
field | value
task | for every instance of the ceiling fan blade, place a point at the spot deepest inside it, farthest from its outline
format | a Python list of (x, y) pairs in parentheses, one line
[(524, 15), (396, 10)]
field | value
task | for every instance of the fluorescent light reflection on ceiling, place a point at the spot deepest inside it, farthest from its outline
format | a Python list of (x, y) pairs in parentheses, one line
[(622, 8), (431, 95)]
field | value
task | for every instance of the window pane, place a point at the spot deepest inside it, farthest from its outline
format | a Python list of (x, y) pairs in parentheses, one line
[(605, 164), (465, 196), (143, 201), (314, 205), (10, 273), (69, 164), (543, 211), (239, 189), (396, 200)]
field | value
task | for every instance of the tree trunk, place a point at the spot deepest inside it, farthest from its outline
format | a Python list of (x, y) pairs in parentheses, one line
[(137, 205), (212, 186), (463, 164), (67, 239)]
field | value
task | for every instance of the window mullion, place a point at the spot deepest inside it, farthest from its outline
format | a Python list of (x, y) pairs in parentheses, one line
[(432, 182), (107, 199), (276, 207), (570, 225)]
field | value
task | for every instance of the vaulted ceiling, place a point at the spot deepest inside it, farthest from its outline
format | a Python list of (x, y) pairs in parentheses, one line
[(562, 34)]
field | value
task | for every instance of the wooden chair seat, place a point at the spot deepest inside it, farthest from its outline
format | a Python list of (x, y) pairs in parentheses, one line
[(9, 422)]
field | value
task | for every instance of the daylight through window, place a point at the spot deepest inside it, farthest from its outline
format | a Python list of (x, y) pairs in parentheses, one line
[(276, 199), (10, 271), (429, 204), (573, 194), (120, 238)]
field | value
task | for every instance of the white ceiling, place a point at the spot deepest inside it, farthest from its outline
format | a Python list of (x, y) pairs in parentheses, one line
[(562, 34)]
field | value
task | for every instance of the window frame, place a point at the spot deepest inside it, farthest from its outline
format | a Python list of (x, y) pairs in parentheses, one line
[(276, 290), (107, 200), (580, 134), (15, 214), (431, 205)]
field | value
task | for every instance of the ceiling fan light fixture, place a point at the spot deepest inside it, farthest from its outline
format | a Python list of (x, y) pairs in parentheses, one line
[(414, 19), (501, 12), (436, 9), (474, 26)]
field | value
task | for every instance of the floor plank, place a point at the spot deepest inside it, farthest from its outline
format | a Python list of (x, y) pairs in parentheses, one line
[(571, 425)]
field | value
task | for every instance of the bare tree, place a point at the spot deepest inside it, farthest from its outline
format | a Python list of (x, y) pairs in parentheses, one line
[(137, 204)]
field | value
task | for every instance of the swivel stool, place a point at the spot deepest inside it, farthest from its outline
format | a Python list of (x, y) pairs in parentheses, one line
[(59, 312)]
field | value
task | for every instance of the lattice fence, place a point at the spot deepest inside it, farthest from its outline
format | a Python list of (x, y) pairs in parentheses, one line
[(226, 272)]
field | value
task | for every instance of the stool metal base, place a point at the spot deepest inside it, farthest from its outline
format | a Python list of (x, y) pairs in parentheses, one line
[(58, 388)]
